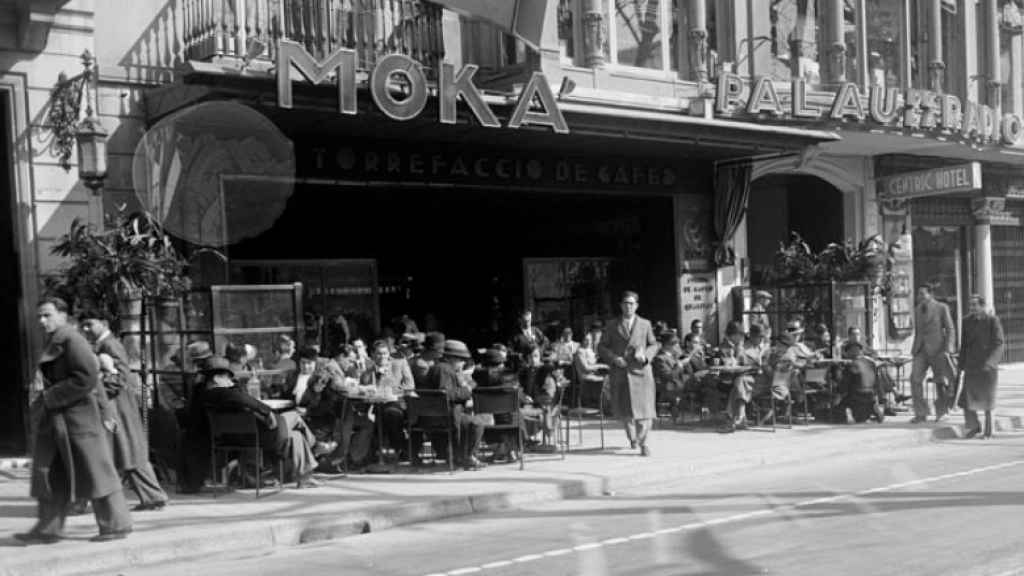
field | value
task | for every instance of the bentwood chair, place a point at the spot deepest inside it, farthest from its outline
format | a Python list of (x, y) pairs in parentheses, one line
[(584, 384), (430, 412), (504, 403)]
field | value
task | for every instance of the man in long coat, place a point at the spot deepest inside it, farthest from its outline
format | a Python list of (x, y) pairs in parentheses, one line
[(628, 345), (933, 333), (981, 349), (71, 457), (131, 447)]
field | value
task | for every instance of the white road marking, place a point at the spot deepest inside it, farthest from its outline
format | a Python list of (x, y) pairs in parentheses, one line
[(737, 518)]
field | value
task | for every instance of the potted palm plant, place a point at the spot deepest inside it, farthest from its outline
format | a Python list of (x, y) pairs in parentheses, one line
[(113, 269)]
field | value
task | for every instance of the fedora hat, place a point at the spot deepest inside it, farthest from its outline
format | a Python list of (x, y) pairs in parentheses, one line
[(763, 294), (492, 357), (457, 349), (199, 350), (434, 341), (219, 364)]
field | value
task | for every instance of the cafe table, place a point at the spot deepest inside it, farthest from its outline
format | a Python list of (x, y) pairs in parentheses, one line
[(369, 401)]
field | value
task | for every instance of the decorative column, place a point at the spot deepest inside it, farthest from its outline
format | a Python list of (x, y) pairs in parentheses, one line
[(986, 210), (836, 42), (936, 66), (697, 17), (593, 33), (797, 40), (995, 72)]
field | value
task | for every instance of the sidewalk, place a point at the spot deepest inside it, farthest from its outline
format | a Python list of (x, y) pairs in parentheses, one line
[(192, 526)]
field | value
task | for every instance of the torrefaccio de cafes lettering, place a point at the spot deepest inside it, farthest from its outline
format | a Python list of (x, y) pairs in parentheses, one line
[(919, 110), (450, 86)]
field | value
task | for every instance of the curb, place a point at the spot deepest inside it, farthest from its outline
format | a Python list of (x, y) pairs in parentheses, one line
[(249, 535)]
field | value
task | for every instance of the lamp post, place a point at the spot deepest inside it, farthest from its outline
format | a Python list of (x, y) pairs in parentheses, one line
[(90, 137)]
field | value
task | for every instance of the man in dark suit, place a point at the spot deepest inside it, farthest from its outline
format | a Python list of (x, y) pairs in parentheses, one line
[(933, 334), (628, 346), (981, 350), (71, 457), (526, 338), (131, 447)]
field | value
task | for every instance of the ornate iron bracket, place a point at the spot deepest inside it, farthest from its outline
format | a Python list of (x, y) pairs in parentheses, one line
[(65, 109)]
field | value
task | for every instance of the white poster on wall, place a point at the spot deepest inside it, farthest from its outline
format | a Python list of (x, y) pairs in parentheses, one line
[(698, 300)]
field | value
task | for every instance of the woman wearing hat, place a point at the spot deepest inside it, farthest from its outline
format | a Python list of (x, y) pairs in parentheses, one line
[(791, 356), (491, 373)]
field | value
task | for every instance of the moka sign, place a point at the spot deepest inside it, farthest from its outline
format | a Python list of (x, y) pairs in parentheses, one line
[(919, 110), (450, 87)]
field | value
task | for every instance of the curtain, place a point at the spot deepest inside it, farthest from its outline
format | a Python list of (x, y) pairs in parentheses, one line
[(732, 190)]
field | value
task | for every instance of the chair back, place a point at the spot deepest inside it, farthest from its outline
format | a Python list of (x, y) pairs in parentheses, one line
[(816, 375), (502, 400), (427, 404), (234, 428)]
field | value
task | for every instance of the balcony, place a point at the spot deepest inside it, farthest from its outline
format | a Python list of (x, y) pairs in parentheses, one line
[(218, 29)]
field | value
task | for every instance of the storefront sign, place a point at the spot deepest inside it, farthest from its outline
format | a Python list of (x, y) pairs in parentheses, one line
[(934, 182), (468, 166), (451, 86), (922, 111)]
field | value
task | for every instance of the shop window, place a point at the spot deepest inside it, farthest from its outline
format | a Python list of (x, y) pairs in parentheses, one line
[(567, 29), (489, 47), (883, 33), (639, 26)]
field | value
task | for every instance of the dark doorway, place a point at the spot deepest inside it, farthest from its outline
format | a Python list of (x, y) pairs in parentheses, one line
[(784, 203), (456, 256), (12, 387)]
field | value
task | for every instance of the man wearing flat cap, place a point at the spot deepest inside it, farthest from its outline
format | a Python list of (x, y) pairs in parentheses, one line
[(628, 346)]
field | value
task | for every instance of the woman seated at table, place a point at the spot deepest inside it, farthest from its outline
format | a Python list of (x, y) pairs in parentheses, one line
[(541, 390), (390, 380), (590, 374), (284, 434), (339, 436), (492, 373)]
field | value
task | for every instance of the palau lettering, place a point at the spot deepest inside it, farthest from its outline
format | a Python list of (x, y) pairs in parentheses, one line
[(919, 110)]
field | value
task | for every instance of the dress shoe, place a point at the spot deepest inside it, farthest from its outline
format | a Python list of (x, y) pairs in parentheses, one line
[(972, 433), (30, 538), (472, 463), (146, 506), (110, 536), (632, 444), (879, 413), (645, 451), (917, 419), (308, 482)]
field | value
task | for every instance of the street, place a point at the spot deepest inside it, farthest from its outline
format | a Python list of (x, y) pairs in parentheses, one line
[(954, 507)]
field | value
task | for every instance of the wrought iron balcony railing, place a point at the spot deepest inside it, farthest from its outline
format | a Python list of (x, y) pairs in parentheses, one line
[(231, 28)]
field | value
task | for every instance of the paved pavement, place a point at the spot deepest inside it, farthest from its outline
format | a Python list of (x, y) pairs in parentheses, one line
[(209, 523), (953, 507)]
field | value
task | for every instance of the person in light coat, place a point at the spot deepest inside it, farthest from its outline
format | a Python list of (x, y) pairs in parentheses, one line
[(628, 345), (981, 349)]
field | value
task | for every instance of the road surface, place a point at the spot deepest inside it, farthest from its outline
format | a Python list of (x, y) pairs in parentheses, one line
[(955, 507)]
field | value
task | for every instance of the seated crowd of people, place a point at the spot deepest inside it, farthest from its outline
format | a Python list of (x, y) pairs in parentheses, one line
[(691, 371), (328, 420)]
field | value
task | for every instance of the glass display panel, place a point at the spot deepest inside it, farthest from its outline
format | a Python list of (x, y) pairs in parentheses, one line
[(638, 33)]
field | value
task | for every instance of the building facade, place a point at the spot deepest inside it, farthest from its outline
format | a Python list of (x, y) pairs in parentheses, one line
[(539, 154)]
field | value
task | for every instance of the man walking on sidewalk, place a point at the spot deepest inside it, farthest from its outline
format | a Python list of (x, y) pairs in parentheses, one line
[(933, 333), (627, 346), (981, 349), (131, 447), (71, 457)]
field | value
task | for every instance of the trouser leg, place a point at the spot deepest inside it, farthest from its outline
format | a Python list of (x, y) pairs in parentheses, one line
[(394, 426), (917, 372), (630, 427), (144, 483), (971, 420), (112, 513), (643, 426), (53, 511), (988, 422)]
